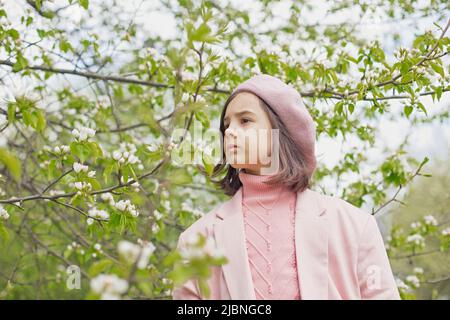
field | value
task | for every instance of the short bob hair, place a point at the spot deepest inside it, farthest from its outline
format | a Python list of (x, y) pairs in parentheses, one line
[(292, 171)]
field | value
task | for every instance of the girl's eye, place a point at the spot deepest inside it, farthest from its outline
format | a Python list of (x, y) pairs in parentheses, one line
[(244, 120)]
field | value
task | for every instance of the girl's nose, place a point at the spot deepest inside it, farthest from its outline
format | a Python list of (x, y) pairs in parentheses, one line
[(230, 133)]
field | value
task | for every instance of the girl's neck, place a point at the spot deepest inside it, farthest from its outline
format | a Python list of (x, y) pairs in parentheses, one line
[(255, 184)]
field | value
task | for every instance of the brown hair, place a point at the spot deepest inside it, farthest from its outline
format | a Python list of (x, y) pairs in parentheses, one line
[(292, 171)]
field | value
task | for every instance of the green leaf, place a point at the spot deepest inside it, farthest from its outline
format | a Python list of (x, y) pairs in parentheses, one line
[(3, 232), (201, 34), (99, 267), (84, 3), (133, 173), (180, 176), (13, 33), (51, 169), (11, 162), (408, 110), (21, 63), (39, 120), (95, 150), (41, 33), (437, 68), (11, 112), (378, 54), (422, 107), (202, 117), (208, 163), (80, 150), (424, 161), (125, 173), (65, 45), (351, 107), (107, 172)]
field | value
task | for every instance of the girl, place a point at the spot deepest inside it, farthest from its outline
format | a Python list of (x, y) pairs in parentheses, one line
[(282, 239)]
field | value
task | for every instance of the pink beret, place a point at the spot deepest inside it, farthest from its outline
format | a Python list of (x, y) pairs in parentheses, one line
[(287, 103)]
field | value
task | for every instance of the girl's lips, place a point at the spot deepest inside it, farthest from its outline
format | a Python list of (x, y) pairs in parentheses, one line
[(232, 147)]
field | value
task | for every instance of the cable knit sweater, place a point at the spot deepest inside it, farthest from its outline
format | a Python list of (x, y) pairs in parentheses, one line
[(270, 237)]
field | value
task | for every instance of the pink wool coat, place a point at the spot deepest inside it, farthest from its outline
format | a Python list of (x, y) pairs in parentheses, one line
[(339, 251)]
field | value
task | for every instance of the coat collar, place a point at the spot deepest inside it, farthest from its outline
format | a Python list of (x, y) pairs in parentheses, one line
[(311, 244)]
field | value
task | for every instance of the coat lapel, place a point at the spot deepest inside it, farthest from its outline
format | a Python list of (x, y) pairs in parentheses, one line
[(230, 235), (311, 242)]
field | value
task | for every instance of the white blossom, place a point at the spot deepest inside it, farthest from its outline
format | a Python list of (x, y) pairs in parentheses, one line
[(103, 102), (415, 225), (164, 193), (78, 167), (56, 192), (188, 76), (152, 51), (430, 220), (402, 286), (192, 250), (127, 206), (109, 287), (200, 98), (98, 246), (89, 221), (446, 232), (193, 239), (98, 214), (126, 154), (83, 186), (135, 185), (413, 280), (185, 97), (44, 164), (121, 205), (400, 52), (131, 252), (418, 270), (327, 64), (417, 239), (155, 228), (83, 133), (3, 213), (156, 183), (187, 206), (212, 250), (108, 197), (157, 215), (152, 148), (166, 205), (61, 149), (197, 213)]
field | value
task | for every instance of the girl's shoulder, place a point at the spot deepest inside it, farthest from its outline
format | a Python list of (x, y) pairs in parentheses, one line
[(204, 224), (343, 212)]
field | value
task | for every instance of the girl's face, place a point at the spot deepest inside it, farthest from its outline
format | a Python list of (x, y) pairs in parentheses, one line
[(248, 128)]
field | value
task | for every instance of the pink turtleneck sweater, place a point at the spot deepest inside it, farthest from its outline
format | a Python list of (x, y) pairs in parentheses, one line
[(269, 213)]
